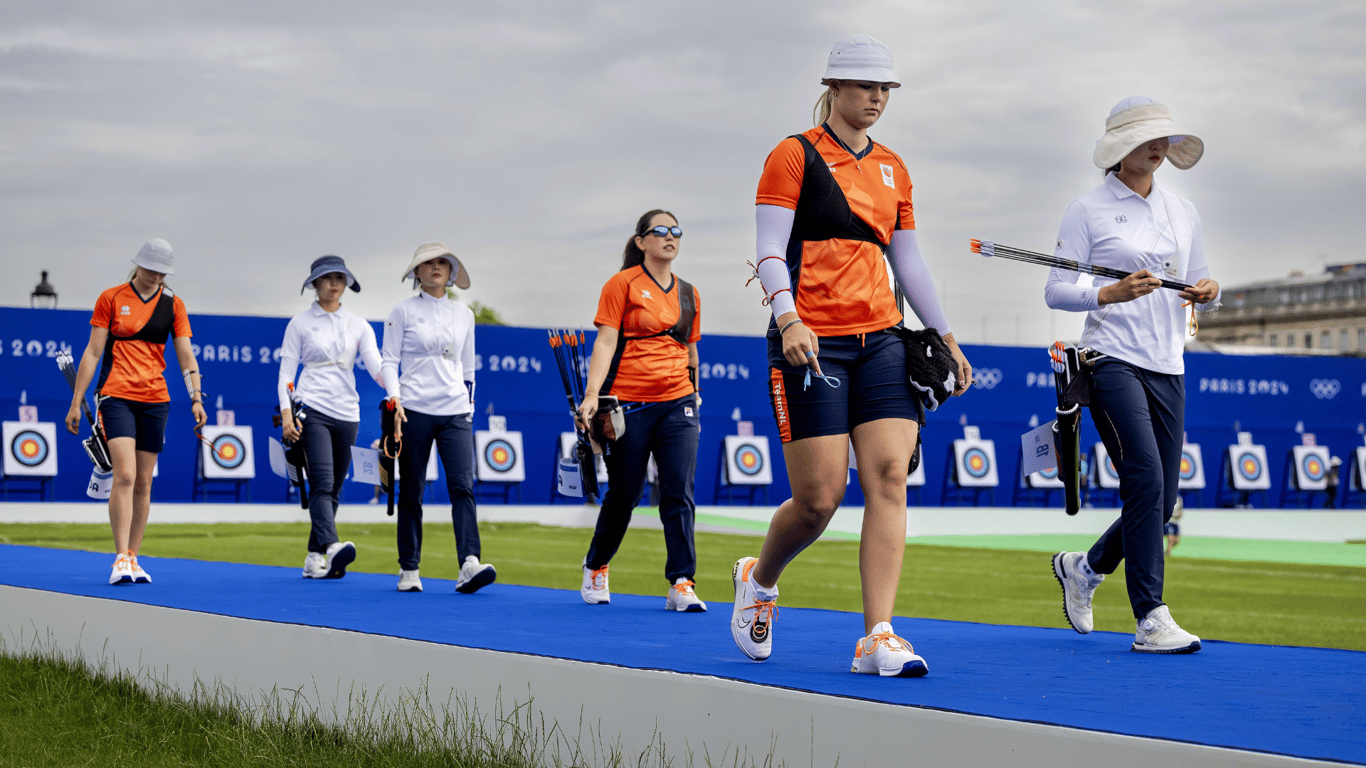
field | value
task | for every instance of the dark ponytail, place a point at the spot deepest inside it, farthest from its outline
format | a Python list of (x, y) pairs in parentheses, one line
[(632, 256), (1113, 169)]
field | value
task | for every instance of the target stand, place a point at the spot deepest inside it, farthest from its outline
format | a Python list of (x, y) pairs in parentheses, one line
[(498, 465), (970, 470), (225, 464), (744, 470), (30, 463), (1306, 476), (1243, 474)]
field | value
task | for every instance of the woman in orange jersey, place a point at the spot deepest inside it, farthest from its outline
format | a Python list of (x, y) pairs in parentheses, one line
[(131, 323), (646, 356), (831, 204)]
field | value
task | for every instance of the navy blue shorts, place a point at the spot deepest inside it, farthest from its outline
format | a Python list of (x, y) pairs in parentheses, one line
[(144, 422), (874, 384)]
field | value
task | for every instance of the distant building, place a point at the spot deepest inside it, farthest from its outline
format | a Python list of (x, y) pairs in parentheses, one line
[(1319, 314)]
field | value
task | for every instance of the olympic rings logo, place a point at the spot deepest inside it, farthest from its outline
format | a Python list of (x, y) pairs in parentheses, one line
[(500, 455), (29, 448), (1249, 466), (987, 378), (1325, 389), (228, 451), (748, 460), (976, 463)]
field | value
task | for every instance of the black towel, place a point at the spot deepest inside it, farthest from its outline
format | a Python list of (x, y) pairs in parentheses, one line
[(929, 365)]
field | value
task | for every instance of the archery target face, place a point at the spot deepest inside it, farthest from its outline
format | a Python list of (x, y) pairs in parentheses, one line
[(1104, 473), (30, 448), (227, 454), (747, 460), (1191, 473), (1248, 464), (499, 456), (976, 463), (1311, 467)]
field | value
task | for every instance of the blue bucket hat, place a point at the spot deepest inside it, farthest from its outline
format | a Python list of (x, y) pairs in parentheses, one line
[(326, 265)]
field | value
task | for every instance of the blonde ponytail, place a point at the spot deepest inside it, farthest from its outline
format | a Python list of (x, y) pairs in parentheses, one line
[(824, 105)]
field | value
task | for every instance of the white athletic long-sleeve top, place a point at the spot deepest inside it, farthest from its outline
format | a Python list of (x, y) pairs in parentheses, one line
[(1113, 226), (327, 345), (433, 341)]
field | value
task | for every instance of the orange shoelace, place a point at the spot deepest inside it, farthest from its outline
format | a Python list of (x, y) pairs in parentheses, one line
[(123, 558), (598, 578), (760, 606), (685, 587), (890, 640), (133, 561)]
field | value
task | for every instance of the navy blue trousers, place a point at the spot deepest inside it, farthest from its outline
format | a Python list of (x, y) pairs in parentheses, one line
[(1141, 418), (327, 449), (669, 430), (454, 439)]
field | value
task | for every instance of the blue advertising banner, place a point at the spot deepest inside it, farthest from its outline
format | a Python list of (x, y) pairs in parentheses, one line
[(1274, 397)]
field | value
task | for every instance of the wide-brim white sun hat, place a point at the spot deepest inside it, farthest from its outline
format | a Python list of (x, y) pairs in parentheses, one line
[(860, 57), (156, 255), (1139, 119), (428, 251)]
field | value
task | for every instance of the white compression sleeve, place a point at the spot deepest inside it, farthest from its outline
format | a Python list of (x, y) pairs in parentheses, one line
[(913, 275), (773, 224)]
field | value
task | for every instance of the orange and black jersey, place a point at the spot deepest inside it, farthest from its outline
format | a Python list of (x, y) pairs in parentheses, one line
[(135, 353), (847, 206), (650, 365)]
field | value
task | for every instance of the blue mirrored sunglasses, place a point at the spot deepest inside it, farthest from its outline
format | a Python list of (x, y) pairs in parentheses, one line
[(663, 231)]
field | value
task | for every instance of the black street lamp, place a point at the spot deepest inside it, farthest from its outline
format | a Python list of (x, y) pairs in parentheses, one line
[(44, 296)]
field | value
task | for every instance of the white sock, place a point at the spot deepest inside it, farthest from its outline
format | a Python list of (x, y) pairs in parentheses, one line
[(1084, 566), (764, 594)]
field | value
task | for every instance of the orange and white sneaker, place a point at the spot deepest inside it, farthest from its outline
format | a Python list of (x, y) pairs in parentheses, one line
[(682, 598), (883, 653), (751, 618), (139, 576), (594, 589), (123, 571)]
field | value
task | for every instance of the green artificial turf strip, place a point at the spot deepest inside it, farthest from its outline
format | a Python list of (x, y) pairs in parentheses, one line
[(1197, 547), (1256, 602)]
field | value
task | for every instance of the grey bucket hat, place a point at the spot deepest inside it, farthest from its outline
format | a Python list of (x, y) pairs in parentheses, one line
[(326, 265)]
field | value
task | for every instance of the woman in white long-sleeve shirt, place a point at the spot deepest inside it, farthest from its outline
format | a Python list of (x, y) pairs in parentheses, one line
[(431, 338), (1137, 384), (326, 340)]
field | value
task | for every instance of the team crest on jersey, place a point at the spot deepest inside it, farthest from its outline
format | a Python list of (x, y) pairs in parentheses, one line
[(887, 177), (124, 310), (644, 294)]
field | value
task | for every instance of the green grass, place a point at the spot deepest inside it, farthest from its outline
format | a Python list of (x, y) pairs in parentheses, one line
[(58, 712), (1253, 602)]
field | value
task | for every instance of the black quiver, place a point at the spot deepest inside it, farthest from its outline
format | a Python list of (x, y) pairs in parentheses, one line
[(389, 449)]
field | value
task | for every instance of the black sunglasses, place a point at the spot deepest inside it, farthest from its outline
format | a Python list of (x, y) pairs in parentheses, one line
[(663, 231)]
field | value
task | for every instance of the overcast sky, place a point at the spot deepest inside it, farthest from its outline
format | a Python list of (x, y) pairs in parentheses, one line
[(530, 136)]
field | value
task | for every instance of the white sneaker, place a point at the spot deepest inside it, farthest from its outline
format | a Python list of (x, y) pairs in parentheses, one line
[(1077, 589), (751, 618), (474, 575), (339, 555), (139, 576), (682, 598), (1158, 633), (122, 572), (315, 566), (408, 581), (594, 589), (883, 653)]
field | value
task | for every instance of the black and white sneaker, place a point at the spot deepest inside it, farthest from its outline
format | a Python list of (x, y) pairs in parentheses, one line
[(1077, 589), (1158, 633), (339, 555), (474, 575)]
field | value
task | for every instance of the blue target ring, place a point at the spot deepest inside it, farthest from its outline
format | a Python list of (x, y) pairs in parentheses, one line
[(228, 451), (1187, 465), (1313, 467), (749, 460), (1049, 474), (1249, 466), (976, 463), (500, 455), (1110, 468), (29, 448)]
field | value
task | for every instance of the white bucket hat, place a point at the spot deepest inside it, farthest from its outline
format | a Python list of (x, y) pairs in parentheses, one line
[(156, 256), (860, 57), (1138, 119), (428, 251)]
